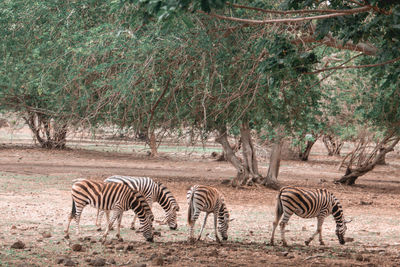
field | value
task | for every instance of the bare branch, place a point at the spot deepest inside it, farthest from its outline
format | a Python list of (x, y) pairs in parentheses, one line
[(356, 67), (301, 19), (301, 11)]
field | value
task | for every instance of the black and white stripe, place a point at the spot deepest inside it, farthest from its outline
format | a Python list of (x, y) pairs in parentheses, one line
[(308, 203), (153, 192), (210, 200), (110, 197)]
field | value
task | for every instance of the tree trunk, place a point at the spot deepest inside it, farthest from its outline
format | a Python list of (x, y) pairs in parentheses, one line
[(332, 144), (352, 174), (153, 144), (231, 157), (271, 180), (49, 133), (249, 156), (382, 161), (303, 155)]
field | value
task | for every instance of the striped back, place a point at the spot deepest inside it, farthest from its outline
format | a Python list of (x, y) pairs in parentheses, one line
[(208, 199), (308, 203), (154, 192), (110, 196)]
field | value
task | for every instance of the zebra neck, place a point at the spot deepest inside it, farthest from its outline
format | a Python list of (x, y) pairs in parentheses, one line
[(162, 197), (337, 213)]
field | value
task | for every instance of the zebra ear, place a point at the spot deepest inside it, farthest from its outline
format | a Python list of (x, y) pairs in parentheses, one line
[(231, 219), (348, 221)]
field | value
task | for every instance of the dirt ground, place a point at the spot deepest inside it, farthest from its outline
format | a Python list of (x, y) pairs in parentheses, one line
[(35, 201)]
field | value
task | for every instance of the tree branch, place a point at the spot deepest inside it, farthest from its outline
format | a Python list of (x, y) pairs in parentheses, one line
[(301, 11), (356, 67), (301, 19), (331, 42)]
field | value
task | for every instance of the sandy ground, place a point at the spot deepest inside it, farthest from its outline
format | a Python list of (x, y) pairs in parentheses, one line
[(35, 201)]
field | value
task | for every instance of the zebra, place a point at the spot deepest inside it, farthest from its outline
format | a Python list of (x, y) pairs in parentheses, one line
[(206, 198), (110, 196), (152, 191), (308, 203)]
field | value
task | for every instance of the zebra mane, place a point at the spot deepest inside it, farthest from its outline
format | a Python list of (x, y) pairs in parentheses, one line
[(164, 191), (337, 210)]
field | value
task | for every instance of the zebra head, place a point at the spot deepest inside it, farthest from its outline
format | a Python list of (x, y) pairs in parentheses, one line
[(169, 204), (172, 217), (341, 230), (223, 221)]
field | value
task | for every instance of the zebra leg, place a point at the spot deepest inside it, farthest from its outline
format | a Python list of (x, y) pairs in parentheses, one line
[(115, 216), (215, 226), (118, 236), (66, 231), (202, 227), (319, 231), (107, 212), (133, 222), (283, 223), (278, 216), (99, 218)]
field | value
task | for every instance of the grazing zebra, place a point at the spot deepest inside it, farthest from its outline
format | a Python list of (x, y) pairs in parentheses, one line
[(308, 203), (110, 196), (206, 198), (153, 192)]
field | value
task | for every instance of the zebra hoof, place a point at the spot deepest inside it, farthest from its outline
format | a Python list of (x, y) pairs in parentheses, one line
[(132, 228), (307, 242), (66, 236), (322, 243), (98, 229), (284, 244)]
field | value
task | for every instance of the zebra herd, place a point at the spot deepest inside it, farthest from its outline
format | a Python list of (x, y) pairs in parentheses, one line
[(121, 193)]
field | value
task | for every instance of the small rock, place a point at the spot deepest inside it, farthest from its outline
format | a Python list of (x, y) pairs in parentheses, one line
[(39, 240), (95, 253), (304, 228), (349, 239), (284, 254), (111, 261), (60, 260), (140, 265), (93, 241), (18, 245), (359, 257), (13, 227), (98, 262), (362, 202), (121, 247), (88, 260), (87, 238), (226, 181), (76, 247), (213, 253), (69, 262), (46, 234), (129, 247), (158, 261), (156, 233)]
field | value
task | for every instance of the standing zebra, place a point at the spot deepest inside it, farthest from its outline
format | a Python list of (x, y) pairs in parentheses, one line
[(206, 198), (110, 196), (308, 203), (153, 192)]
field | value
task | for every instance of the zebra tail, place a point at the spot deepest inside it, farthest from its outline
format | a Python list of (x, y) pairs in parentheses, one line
[(191, 210), (73, 212), (279, 208)]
